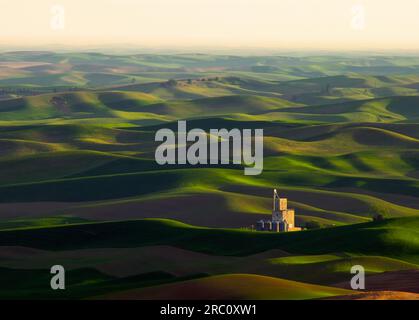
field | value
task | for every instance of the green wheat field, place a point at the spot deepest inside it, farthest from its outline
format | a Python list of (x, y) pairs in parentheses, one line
[(79, 185)]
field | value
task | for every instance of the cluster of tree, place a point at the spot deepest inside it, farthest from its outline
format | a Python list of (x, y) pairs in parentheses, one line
[(169, 83), (33, 91), (172, 82), (378, 217), (310, 225), (209, 79), (189, 81), (20, 91)]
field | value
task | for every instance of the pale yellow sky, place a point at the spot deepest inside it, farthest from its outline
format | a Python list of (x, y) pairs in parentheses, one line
[(283, 24)]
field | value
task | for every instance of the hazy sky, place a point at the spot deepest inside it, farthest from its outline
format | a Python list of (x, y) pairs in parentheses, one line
[(283, 24)]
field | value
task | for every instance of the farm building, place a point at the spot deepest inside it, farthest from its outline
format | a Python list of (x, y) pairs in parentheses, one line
[(283, 219)]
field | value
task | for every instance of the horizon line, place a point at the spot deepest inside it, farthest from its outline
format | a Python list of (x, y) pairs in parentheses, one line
[(197, 49)]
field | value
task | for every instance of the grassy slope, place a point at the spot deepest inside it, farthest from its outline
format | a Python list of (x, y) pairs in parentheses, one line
[(333, 268), (326, 261), (249, 106), (80, 283), (107, 167), (395, 238), (233, 286), (371, 167)]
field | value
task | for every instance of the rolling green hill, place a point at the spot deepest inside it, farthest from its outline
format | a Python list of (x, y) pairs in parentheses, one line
[(393, 238), (232, 287), (79, 182), (326, 261)]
